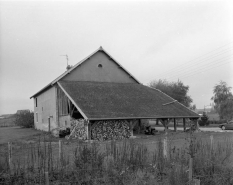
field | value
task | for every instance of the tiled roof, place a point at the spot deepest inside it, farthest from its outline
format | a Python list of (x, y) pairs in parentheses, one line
[(101, 100)]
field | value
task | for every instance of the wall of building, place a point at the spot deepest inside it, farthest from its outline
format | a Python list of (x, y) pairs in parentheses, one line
[(109, 72), (46, 107), (64, 121)]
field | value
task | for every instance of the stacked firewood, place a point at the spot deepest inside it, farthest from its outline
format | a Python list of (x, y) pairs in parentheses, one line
[(78, 129), (110, 130)]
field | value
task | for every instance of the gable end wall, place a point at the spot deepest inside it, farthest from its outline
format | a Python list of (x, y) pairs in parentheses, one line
[(109, 72)]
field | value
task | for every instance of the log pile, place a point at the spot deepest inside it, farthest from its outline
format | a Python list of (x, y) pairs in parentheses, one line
[(78, 130), (110, 130)]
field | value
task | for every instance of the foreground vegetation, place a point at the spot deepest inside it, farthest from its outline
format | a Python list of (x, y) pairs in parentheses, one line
[(25, 119), (118, 162)]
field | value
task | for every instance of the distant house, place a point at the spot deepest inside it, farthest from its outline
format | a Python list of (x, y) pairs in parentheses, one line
[(98, 89)]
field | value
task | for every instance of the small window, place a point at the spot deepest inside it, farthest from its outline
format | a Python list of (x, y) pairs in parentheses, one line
[(36, 101), (100, 65)]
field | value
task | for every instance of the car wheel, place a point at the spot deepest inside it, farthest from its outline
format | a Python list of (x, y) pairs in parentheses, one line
[(223, 127)]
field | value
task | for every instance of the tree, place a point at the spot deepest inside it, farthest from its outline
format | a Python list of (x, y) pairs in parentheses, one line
[(176, 90), (25, 119), (223, 100), (226, 109)]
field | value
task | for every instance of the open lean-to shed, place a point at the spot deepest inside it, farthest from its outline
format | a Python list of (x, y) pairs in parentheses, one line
[(99, 95)]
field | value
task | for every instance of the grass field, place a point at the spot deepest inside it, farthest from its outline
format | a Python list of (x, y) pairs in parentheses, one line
[(17, 134), (7, 122)]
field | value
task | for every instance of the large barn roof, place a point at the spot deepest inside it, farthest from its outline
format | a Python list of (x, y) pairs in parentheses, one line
[(78, 64), (102, 100)]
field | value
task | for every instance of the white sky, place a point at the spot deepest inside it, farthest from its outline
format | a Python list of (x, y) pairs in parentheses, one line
[(187, 40)]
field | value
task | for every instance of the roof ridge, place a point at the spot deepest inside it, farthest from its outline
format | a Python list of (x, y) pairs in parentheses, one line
[(99, 82)]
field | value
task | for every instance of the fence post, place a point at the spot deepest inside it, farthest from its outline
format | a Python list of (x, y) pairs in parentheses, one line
[(190, 170), (165, 147), (9, 154), (60, 150), (211, 142), (46, 178)]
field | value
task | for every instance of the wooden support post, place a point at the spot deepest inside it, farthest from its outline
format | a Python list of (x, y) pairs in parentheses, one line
[(86, 124), (46, 178), (165, 123), (89, 130), (139, 126), (49, 123), (184, 124), (157, 121), (131, 128), (175, 124)]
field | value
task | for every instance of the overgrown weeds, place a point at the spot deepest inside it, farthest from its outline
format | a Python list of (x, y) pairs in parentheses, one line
[(124, 162)]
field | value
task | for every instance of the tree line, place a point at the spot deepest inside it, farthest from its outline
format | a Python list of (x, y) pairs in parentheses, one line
[(222, 96)]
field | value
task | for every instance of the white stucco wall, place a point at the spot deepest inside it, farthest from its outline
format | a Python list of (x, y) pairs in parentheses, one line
[(46, 107), (64, 121)]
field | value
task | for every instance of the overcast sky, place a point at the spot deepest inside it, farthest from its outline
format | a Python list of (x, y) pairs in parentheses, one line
[(187, 40)]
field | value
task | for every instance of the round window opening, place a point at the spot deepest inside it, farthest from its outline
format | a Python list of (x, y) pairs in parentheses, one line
[(100, 65)]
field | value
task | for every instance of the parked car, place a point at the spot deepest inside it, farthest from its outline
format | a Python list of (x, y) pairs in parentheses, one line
[(226, 126)]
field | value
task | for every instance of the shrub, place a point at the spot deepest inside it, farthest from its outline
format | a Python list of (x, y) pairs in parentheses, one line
[(201, 123), (25, 119)]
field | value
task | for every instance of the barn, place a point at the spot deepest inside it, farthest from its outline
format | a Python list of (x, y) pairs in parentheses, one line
[(101, 100)]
